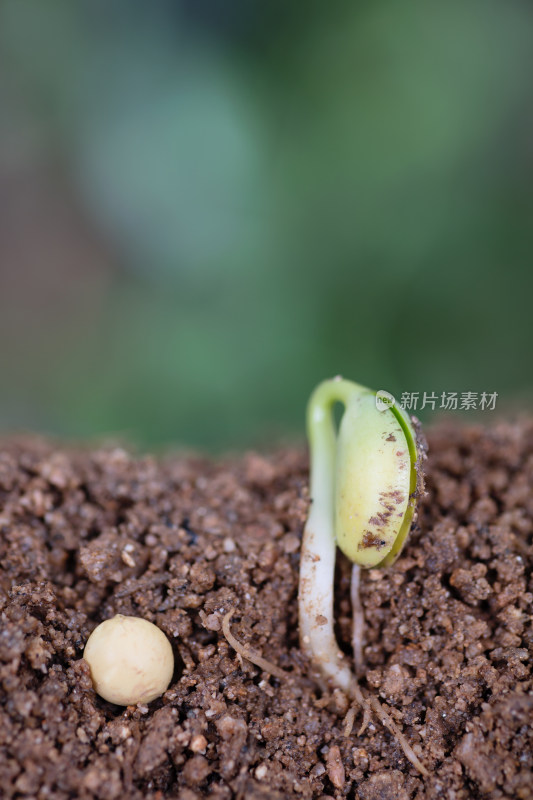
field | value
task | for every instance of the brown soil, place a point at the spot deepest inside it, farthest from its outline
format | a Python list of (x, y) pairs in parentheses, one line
[(180, 543)]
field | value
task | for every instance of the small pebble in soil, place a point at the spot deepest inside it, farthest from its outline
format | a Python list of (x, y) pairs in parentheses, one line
[(130, 659)]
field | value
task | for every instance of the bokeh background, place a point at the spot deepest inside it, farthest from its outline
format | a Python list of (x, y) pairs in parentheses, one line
[(207, 207)]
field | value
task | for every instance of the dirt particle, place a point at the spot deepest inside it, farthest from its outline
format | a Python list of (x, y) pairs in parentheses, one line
[(290, 543), (196, 770), (471, 584), (383, 787), (371, 540), (229, 727), (335, 767), (198, 744)]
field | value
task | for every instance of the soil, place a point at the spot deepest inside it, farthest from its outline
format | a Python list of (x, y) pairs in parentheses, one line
[(181, 542)]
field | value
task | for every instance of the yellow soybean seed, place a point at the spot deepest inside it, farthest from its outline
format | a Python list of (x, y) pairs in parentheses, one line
[(130, 659), (373, 482)]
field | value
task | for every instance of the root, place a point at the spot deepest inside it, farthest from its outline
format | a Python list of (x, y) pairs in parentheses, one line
[(369, 704), (366, 704), (349, 720), (372, 703), (246, 652), (367, 716), (389, 723)]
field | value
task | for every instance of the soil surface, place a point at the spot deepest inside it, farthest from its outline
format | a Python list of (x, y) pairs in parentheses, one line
[(180, 542)]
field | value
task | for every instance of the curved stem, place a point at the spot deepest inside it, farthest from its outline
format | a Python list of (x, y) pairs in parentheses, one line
[(317, 566)]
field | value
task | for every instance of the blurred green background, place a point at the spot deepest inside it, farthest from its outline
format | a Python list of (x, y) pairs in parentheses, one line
[(207, 207)]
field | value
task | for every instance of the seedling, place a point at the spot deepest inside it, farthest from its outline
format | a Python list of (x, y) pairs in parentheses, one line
[(364, 485)]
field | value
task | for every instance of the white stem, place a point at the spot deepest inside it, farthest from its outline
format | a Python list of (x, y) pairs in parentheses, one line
[(317, 560), (317, 637), (358, 621)]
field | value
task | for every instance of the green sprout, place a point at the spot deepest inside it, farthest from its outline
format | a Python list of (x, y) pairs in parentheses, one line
[(365, 480)]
